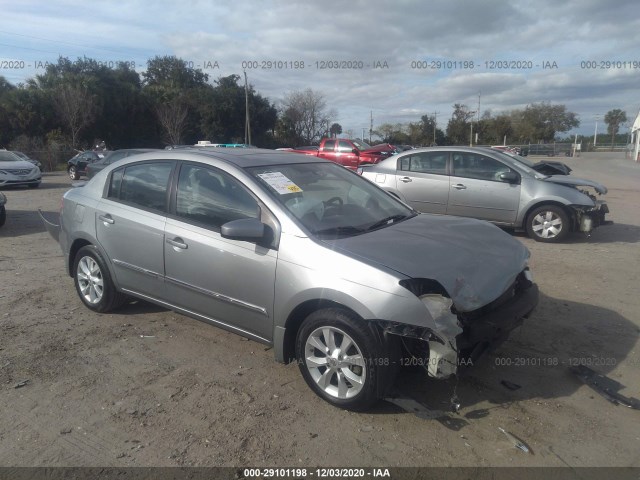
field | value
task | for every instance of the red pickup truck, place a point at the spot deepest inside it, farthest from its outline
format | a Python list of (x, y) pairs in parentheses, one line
[(349, 153)]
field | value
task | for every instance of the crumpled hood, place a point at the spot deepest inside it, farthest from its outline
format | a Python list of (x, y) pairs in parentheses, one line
[(472, 259), (576, 182), (383, 148)]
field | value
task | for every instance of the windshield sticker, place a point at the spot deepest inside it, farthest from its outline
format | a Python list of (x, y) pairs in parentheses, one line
[(279, 183)]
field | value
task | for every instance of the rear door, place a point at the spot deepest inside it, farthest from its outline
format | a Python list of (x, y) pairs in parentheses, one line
[(130, 222), (422, 180), (327, 150), (227, 282), (477, 191)]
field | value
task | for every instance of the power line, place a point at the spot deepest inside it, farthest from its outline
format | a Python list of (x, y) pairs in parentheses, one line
[(27, 48), (49, 40)]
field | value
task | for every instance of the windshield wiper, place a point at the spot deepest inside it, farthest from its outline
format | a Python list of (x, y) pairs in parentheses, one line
[(343, 230), (387, 221)]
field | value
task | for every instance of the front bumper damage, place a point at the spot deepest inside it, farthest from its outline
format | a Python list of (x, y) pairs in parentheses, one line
[(462, 338), (588, 218)]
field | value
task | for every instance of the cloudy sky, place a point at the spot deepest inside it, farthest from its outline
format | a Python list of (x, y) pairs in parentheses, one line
[(397, 59)]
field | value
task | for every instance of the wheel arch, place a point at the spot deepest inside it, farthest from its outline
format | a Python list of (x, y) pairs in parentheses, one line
[(77, 244), (295, 319), (570, 213)]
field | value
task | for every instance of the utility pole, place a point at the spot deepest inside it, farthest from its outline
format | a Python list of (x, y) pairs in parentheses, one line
[(370, 128), (595, 134), (247, 125), (479, 93), (471, 133)]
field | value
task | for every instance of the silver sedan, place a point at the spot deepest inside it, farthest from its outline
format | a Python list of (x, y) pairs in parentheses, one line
[(300, 254), (490, 185)]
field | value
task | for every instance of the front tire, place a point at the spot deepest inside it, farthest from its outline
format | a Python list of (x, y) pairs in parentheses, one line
[(73, 173), (3, 215), (343, 359), (548, 223), (93, 281)]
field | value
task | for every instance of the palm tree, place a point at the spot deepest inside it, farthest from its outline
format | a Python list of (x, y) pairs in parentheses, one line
[(613, 119)]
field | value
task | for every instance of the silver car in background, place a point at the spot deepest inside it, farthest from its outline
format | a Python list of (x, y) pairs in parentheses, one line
[(487, 184), (300, 254)]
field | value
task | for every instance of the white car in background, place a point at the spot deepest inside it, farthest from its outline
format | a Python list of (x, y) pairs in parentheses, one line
[(15, 171)]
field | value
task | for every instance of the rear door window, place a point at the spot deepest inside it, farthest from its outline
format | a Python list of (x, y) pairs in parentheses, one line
[(425, 162), (144, 185)]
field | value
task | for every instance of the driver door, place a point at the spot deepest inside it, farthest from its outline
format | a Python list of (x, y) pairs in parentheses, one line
[(477, 191), (226, 282)]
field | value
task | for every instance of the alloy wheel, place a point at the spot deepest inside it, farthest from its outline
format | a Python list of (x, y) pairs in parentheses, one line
[(547, 224), (335, 362), (90, 280)]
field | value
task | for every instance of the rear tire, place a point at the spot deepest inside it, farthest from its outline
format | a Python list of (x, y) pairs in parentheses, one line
[(3, 215), (73, 173), (548, 223), (344, 360), (93, 281)]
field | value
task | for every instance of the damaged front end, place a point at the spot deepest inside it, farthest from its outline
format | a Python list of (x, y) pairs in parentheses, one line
[(460, 338), (587, 214), (588, 218)]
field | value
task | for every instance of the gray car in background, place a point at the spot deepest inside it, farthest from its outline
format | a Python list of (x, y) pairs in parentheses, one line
[(112, 157), (300, 254), (487, 184)]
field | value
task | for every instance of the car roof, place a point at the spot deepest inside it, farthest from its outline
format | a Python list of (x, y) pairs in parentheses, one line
[(240, 157), (448, 148), (141, 149)]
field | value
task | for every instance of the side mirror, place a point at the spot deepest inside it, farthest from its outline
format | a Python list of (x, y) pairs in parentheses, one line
[(509, 177), (247, 229), (355, 151)]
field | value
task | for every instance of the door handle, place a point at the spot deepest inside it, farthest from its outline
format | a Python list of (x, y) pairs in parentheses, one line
[(178, 243), (106, 219), (459, 186), (405, 179)]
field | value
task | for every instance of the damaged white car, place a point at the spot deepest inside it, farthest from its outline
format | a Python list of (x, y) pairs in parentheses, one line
[(300, 254)]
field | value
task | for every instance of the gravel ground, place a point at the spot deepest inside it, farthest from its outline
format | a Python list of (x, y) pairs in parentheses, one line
[(148, 387)]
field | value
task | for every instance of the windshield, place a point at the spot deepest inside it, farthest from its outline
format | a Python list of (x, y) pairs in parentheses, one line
[(329, 200), (6, 156)]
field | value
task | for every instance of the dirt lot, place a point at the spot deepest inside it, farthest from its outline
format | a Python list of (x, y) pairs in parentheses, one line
[(148, 387)]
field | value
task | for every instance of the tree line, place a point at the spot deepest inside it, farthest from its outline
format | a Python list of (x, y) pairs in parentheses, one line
[(74, 104), (536, 123)]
